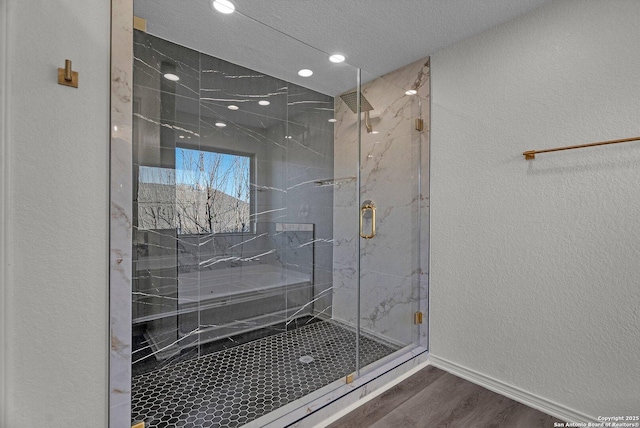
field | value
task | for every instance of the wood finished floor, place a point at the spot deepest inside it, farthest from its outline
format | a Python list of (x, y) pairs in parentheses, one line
[(433, 398)]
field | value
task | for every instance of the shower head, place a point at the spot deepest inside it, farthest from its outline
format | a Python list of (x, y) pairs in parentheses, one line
[(351, 100)]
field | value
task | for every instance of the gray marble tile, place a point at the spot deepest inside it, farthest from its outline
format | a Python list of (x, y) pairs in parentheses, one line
[(225, 84), (167, 109), (154, 57)]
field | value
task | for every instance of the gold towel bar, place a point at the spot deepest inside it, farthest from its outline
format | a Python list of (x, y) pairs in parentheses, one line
[(531, 154)]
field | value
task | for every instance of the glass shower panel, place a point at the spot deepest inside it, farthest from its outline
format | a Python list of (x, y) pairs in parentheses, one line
[(237, 200), (160, 117), (242, 268), (309, 163), (390, 208), (277, 222), (276, 227)]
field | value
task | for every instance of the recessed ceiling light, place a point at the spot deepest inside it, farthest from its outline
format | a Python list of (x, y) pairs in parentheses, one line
[(375, 132), (232, 107), (288, 137), (223, 6), (221, 124), (333, 120), (172, 77), (337, 58), (411, 92), (182, 136), (264, 102), (305, 72)]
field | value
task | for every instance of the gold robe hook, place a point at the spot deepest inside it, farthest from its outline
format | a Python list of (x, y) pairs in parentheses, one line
[(66, 76)]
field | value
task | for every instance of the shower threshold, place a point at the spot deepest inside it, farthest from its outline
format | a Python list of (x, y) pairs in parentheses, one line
[(235, 386)]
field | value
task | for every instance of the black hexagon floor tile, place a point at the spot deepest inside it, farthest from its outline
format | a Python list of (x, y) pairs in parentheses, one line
[(232, 387)]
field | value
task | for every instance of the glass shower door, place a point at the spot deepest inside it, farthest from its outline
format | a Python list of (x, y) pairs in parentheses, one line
[(390, 211), (382, 224)]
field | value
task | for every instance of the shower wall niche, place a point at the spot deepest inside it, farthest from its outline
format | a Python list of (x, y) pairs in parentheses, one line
[(232, 228)]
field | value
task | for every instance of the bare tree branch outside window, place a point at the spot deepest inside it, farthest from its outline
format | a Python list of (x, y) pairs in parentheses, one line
[(208, 192)]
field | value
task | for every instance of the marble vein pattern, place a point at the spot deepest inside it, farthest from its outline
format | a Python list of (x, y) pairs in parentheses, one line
[(190, 288), (121, 214), (394, 174), (166, 285)]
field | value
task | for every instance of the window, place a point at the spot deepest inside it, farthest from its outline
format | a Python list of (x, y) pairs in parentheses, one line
[(207, 192), (212, 192)]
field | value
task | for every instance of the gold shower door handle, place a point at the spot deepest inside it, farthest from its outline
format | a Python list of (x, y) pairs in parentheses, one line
[(368, 210)]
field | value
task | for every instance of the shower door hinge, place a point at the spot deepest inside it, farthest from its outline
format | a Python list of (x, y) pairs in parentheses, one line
[(138, 425), (349, 378), (417, 318), (419, 125)]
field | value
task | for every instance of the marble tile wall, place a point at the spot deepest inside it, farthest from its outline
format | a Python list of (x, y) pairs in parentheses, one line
[(394, 174), (121, 219), (290, 142), (307, 159), (293, 250), (286, 172)]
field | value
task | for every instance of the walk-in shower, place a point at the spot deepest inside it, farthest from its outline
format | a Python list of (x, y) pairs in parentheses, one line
[(277, 250)]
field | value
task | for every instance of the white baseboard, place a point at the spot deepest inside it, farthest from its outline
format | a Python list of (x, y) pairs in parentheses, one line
[(528, 399)]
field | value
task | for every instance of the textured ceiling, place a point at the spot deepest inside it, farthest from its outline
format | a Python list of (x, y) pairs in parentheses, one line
[(279, 37)]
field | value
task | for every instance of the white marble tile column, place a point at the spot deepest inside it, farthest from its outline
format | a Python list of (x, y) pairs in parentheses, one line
[(121, 214)]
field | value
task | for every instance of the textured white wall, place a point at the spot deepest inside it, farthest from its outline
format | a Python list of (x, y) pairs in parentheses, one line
[(534, 270), (56, 215)]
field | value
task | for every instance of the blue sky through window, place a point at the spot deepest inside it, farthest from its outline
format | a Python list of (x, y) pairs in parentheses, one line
[(225, 172)]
